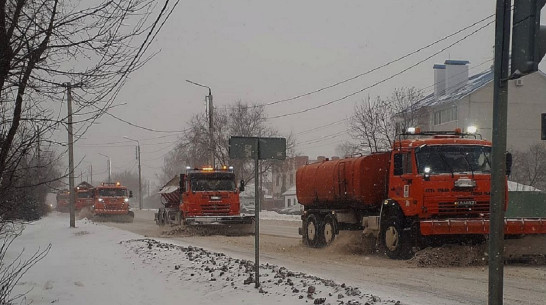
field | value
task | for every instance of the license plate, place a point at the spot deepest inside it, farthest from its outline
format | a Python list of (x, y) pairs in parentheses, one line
[(465, 203)]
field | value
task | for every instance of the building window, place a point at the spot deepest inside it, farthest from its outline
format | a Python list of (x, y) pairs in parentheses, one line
[(289, 202), (291, 179), (445, 115), (278, 181)]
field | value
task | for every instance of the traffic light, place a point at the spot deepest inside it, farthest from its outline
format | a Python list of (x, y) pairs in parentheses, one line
[(528, 37)]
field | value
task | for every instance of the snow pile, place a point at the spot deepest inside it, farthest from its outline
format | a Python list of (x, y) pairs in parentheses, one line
[(219, 272), (451, 255), (514, 186), (95, 264)]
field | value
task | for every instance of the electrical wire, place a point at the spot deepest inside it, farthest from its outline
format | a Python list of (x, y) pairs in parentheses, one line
[(318, 139), (378, 67), (381, 81)]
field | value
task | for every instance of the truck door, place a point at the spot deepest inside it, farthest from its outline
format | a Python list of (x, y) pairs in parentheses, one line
[(400, 185)]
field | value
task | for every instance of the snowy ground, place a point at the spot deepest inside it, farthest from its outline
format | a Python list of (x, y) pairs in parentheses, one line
[(96, 264)]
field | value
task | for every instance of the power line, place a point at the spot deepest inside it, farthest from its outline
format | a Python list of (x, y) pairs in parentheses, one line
[(318, 139), (383, 80), (103, 110), (378, 67)]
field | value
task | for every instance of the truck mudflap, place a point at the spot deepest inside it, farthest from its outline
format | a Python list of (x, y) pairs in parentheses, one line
[(512, 226), (212, 220)]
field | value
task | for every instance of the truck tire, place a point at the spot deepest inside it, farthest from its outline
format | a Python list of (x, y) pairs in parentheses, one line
[(396, 241), (312, 231), (328, 230)]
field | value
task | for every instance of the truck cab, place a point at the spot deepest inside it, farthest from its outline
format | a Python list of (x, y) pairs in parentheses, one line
[(439, 184), (84, 195), (444, 175), (111, 199), (209, 192)]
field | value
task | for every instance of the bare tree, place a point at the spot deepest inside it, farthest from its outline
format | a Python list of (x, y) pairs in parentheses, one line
[(94, 45), (347, 149), (529, 167), (13, 269), (377, 122), (238, 120)]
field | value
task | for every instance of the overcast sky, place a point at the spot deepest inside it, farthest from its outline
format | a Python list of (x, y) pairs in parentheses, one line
[(264, 51)]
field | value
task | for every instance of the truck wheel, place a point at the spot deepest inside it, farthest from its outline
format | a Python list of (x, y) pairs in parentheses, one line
[(396, 241), (312, 231), (328, 230)]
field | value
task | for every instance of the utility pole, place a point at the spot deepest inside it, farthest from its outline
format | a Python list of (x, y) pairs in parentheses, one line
[(70, 157), (211, 129), (498, 153), (139, 173), (91, 174), (108, 167), (210, 115)]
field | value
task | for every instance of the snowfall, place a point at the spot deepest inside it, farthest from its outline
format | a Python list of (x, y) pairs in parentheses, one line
[(97, 264)]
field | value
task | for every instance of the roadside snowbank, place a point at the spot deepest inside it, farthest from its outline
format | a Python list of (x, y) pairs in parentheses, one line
[(95, 264)]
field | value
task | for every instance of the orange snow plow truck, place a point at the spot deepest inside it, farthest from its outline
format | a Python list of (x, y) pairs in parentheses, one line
[(111, 203), (205, 198), (432, 186), (63, 199), (84, 196)]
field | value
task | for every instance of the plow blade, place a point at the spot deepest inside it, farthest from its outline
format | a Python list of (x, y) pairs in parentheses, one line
[(222, 225), (129, 217), (512, 226)]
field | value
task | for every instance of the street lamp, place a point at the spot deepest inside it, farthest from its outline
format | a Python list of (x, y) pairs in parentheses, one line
[(109, 167), (211, 127), (139, 173)]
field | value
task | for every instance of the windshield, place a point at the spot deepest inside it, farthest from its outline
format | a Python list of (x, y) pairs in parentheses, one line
[(113, 192), (85, 194), (454, 159), (212, 182)]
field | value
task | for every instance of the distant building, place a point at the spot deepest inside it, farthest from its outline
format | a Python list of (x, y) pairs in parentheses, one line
[(283, 177), (290, 197), (460, 101)]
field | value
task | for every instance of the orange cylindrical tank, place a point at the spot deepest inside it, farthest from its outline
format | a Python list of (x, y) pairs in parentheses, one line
[(344, 182)]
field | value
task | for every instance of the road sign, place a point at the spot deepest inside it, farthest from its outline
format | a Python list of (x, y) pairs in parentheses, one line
[(267, 148)]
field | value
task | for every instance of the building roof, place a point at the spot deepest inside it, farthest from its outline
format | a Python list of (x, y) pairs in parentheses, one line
[(474, 83), (456, 62), (290, 192)]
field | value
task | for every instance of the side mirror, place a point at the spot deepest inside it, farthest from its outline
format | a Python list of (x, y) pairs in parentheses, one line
[(130, 194), (426, 173), (508, 163), (398, 167), (242, 186), (182, 183)]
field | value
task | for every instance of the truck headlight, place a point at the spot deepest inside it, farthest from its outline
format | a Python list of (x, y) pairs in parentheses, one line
[(101, 200), (126, 199)]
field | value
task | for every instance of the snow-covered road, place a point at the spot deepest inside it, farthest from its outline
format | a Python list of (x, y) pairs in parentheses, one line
[(100, 264)]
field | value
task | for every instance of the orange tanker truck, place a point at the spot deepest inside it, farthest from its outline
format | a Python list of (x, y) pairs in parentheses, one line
[(111, 203), (205, 197), (430, 186)]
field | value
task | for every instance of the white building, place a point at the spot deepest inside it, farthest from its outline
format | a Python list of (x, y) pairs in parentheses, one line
[(459, 101), (290, 197)]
